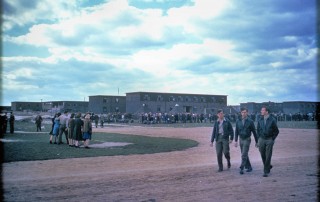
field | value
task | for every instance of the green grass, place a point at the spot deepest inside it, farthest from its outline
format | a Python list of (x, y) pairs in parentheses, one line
[(35, 146)]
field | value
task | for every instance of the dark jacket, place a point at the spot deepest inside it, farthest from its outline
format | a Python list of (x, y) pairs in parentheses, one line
[(244, 131), (227, 130), (270, 130)]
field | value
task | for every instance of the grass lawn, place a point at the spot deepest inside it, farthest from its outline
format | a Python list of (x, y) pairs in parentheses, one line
[(35, 146)]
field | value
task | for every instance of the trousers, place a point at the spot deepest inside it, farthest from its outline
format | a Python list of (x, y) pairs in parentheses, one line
[(222, 146), (244, 147), (265, 148), (62, 129)]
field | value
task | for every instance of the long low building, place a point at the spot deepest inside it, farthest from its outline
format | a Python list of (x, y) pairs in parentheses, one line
[(144, 102), (290, 107), (51, 106)]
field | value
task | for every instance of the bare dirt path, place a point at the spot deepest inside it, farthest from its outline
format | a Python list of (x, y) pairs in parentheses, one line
[(188, 175)]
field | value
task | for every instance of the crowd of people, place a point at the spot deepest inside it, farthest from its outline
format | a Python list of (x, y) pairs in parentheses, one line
[(76, 129), (169, 118), (155, 118)]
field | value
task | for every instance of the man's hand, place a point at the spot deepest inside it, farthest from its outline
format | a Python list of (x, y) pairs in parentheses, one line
[(236, 144)]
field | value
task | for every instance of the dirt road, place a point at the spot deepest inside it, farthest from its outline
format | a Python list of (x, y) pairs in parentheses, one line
[(188, 175)]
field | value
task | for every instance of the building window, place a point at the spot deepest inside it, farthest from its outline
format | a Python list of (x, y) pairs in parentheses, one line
[(171, 99), (105, 100), (213, 99), (117, 100), (117, 109), (187, 99), (159, 98), (146, 98), (158, 108), (195, 99), (202, 99), (195, 109), (180, 99)]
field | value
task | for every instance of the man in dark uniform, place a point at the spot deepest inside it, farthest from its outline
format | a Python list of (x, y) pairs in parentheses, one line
[(222, 132), (38, 122), (268, 131), (244, 128), (11, 122)]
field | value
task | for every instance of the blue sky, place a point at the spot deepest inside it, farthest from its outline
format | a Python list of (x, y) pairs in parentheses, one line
[(252, 51)]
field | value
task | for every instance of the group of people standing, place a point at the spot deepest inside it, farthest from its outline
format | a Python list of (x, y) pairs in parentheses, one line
[(74, 127), (265, 135), (4, 123)]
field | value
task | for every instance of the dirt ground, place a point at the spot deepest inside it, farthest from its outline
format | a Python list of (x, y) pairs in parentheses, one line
[(189, 175)]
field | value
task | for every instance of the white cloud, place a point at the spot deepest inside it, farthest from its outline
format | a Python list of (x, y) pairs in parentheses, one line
[(174, 50), (20, 13)]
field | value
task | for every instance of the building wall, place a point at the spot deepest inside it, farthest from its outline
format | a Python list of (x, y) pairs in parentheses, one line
[(101, 104), (51, 106), (283, 107), (26, 106), (138, 102), (300, 107), (76, 106)]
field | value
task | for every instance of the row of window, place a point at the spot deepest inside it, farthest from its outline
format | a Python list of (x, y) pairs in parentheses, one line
[(108, 100), (185, 99)]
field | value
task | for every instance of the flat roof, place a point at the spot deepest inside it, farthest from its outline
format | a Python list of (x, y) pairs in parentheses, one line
[(175, 93)]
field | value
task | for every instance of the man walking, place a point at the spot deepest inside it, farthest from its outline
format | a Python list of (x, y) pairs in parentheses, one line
[(267, 133), (38, 122), (223, 135), (244, 128)]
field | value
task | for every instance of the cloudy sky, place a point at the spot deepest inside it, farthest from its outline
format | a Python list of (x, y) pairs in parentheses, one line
[(252, 51)]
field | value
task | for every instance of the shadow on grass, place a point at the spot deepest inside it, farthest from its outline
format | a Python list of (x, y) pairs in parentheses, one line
[(35, 146)]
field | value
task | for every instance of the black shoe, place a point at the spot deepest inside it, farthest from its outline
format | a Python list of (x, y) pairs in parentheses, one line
[(87, 147), (271, 167), (220, 170), (229, 164), (50, 142), (241, 172), (265, 175), (55, 143), (249, 170)]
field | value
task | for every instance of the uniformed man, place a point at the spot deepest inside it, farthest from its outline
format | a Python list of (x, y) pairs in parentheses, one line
[(223, 135), (244, 128), (268, 131), (11, 122)]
